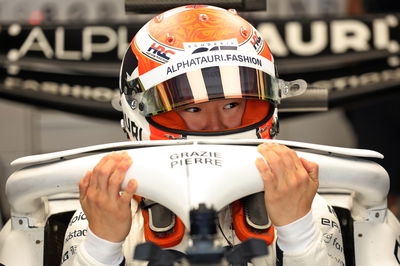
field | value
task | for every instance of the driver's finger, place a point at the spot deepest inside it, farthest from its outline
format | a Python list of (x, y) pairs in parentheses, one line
[(129, 191), (84, 184), (275, 162), (289, 156), (93, 181), (117, 177), (269, 179), (104, 172)]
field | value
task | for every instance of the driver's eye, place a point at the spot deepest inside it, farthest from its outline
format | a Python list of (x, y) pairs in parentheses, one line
[(193, 109), (231, 105)]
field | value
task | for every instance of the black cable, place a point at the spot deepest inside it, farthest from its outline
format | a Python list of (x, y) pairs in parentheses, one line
[(222, 232)]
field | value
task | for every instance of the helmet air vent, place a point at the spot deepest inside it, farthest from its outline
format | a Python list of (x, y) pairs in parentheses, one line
[(170, 38), (244, 32), (203, 17)]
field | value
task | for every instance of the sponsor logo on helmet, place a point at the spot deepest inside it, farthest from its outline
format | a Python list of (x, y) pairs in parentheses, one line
[(131, 127), (210, 59), (214, 48), (199, 47), (159, 52), (257, 42)]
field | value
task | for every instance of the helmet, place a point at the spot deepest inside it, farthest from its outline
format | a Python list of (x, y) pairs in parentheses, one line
[(195, 54)]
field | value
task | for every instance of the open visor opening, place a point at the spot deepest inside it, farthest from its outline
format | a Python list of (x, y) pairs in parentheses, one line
[(218, 82)]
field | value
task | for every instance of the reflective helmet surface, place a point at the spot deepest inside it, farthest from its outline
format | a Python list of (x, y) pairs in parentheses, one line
[(195, 54)]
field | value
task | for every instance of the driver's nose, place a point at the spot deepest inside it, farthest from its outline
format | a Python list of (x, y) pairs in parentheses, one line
[(215, 122)]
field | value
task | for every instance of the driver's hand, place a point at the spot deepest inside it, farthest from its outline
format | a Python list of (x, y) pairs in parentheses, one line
[(107, 209), (290, 183)]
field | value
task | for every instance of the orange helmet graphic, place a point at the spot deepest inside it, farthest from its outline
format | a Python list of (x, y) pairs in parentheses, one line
[(195, 54)]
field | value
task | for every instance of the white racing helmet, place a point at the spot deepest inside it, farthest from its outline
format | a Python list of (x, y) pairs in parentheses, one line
[(194, 54)]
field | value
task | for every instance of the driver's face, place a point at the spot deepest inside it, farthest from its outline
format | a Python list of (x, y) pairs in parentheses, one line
[(214, 115)]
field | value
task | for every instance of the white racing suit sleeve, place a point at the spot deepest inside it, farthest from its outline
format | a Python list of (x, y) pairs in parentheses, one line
[(297, 236), (314, 239), (104, 251)]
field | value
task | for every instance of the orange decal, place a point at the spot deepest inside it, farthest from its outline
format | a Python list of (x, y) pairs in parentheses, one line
[(193, 29)]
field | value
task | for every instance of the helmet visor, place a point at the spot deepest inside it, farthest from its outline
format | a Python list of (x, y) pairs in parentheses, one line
[(202, 85)]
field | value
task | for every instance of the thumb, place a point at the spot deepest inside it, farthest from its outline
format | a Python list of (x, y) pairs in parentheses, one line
[(311, 168)]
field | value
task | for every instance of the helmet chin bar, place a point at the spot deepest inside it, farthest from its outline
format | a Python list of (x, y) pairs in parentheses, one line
[(249, 134)]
